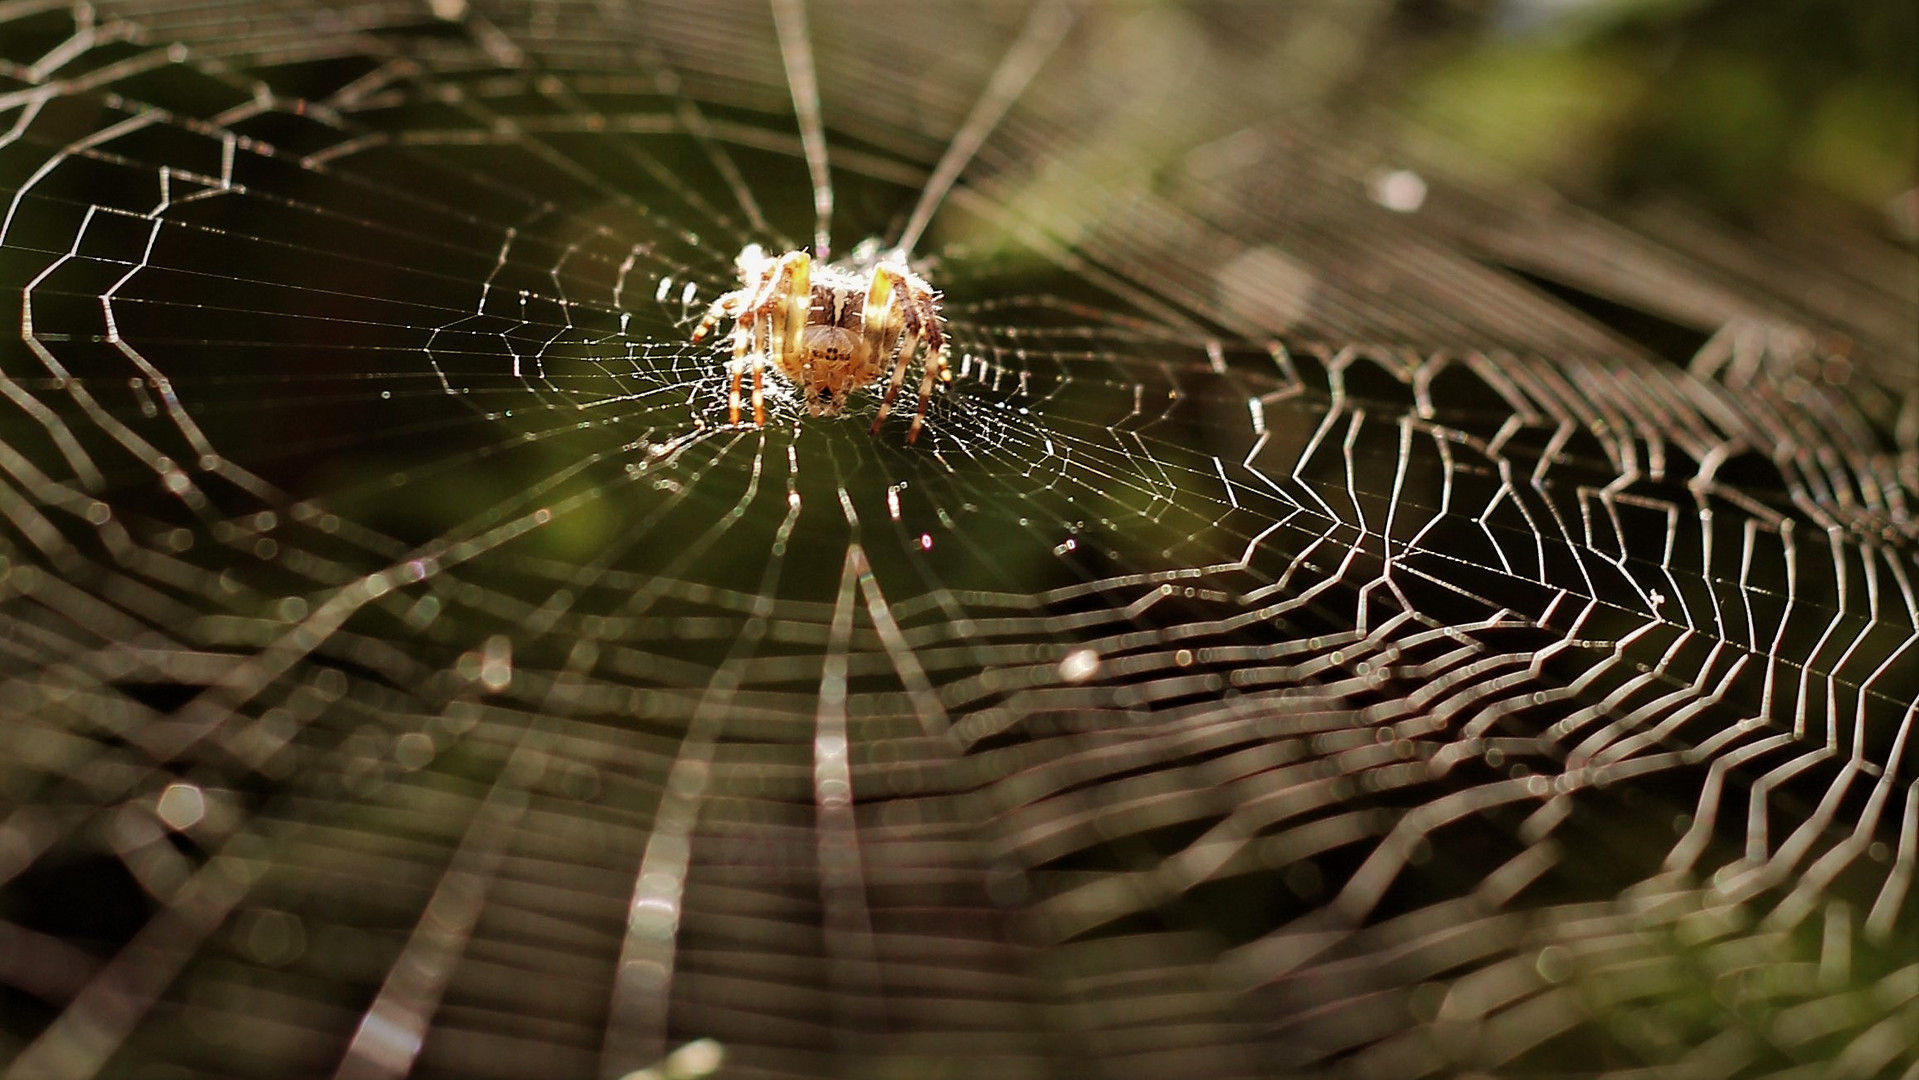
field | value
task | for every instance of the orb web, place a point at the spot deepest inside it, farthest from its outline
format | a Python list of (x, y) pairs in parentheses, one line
[(1334, 623)]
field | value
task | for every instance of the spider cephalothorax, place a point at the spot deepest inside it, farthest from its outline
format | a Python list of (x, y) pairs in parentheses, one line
[(831, 329)]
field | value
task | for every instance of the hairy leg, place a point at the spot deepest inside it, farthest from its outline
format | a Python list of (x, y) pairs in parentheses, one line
[(759, 376), (938, 372), (887, 317), (741, 338), (909, 344), (789, 297), (725, 306)]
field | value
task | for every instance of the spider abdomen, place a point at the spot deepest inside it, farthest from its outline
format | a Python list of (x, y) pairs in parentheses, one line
[(837, 304)]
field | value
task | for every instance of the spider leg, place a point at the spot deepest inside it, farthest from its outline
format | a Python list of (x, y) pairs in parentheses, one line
[(799, 297), (936, 342), (937, 370), (909, 343), (879, 307), (728, 304), (887, 310), (741, 340), (788, 298), (759, 373)]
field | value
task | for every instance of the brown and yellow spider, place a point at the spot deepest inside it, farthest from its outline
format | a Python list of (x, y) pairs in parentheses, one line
[(831, 329)]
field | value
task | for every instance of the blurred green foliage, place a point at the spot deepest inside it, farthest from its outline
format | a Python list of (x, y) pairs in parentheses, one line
[(1730, 104)]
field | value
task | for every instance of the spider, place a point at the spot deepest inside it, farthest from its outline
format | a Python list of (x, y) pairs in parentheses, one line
[(831, 329)]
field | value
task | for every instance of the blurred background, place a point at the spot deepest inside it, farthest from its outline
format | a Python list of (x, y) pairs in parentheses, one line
[(1414, 576), (1740, 110)]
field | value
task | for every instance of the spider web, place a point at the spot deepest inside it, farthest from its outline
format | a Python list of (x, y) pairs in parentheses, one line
[(1352, 613)]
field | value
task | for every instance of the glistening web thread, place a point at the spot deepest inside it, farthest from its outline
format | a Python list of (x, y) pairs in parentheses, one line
[(1305, 638)]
